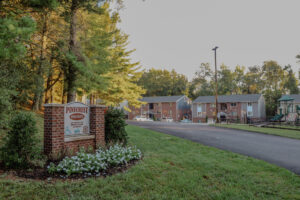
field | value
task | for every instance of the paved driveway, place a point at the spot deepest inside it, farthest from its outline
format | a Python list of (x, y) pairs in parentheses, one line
[(284, 152)]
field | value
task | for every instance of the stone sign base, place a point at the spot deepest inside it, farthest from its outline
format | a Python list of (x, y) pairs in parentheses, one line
[(57, 144)]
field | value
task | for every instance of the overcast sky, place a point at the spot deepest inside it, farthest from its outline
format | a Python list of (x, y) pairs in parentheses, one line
[(180, 34)]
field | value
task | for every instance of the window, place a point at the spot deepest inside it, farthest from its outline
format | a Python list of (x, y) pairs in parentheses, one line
[(170, 112), (249, 110), (223, 106), (151, 105), (170, 104), (212, 105), (199, 110), (234, 114), (233, 104)]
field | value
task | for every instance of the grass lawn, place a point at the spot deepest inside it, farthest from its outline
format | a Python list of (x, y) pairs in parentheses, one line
[(172, 168), (272, 131)]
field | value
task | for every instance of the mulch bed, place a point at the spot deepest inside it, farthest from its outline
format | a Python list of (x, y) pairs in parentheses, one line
[(42, 173)]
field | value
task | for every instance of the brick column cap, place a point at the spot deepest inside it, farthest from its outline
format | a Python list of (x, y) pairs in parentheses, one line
[(62, 105)]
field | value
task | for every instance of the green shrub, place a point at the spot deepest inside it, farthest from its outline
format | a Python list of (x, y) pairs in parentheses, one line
[(20, 142), (115, 127), (94, 163)]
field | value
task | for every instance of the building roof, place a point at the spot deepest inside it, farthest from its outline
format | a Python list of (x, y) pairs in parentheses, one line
[(295, 97), (286, 98), (161, 99), (229, 98)]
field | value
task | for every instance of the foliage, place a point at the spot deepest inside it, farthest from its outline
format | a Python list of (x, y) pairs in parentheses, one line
[(115, 126), (163, 83), (14, 33), (271, 99), (291, 83), (201, 84), (53, 50), (94, 163), (20, 143), (252, 81), (269, 79), (105, 45)]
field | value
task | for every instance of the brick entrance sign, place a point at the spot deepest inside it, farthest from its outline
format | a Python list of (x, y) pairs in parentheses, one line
[(68, 127)]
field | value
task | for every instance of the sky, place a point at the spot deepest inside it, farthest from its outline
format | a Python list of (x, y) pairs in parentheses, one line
[(180, 35)]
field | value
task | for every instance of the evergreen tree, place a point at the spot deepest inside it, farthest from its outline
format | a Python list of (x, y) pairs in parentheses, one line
[(14, 34), (106, 48)]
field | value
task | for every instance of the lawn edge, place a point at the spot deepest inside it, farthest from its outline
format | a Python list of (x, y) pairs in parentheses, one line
[(251, 131)]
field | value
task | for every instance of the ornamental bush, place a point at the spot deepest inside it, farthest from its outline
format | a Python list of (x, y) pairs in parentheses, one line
[(115, 127), (20, 144), (94, 163)]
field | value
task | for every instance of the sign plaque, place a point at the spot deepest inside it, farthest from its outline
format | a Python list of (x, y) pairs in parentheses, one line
[(77, 120)]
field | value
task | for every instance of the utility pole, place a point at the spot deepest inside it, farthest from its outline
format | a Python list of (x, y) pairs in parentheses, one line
[(216, 79)]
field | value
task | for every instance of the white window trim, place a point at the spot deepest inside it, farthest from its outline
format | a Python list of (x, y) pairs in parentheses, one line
[(249, 111)]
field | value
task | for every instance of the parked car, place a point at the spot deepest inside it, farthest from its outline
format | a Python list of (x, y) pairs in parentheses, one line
[(142, 118), (167, 119)]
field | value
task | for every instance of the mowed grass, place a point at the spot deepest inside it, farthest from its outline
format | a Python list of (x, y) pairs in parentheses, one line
[(172, 168), (271, 131)]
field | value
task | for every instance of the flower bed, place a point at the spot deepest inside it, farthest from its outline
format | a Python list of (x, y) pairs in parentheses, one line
[(103, 159)]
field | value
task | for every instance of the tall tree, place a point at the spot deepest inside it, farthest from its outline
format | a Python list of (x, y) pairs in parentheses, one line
[(75, 56), (290, 82), (273, 75), (226, 83), (41, 11), (201, 83), (163, 83), (105, 46), (15, 32), (252, 81)]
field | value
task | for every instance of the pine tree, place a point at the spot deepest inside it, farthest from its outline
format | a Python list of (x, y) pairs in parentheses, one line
[(14, 34), (114, 75)]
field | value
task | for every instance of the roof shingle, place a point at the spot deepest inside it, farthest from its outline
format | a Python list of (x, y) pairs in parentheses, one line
[(296, 97), (161, 99), (229, 98)]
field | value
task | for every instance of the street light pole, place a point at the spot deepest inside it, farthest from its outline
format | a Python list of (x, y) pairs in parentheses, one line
[(216, 79)]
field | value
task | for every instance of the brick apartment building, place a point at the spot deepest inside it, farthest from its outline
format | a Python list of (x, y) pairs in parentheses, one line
[(163, 107), (234, 107)]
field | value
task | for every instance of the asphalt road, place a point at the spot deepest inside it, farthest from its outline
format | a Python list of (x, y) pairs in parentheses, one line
[(284, 152)]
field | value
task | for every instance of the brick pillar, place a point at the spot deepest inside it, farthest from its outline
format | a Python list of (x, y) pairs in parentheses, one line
[(97, 124), (53, 129)]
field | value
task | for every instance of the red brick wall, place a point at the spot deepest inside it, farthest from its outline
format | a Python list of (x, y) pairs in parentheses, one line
[(53, 129), (74, 146), (160, 110), (97, 122), (54, 139), (169, 110)]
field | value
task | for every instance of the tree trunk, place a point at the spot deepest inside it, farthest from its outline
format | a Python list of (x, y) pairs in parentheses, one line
[(39, 81), (48, 82), (71, 89)]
